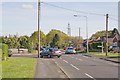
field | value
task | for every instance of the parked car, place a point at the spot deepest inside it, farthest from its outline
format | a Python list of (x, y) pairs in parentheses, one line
[(9, 52), (70, 50), (116, 49), (50, 52)]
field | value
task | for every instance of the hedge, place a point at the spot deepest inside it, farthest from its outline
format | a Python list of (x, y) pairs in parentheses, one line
[(4, 51)]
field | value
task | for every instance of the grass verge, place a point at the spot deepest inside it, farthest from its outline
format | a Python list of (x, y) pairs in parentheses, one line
[(19, 68), (104, 54)]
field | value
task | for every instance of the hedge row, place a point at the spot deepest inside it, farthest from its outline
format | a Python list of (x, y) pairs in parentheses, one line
[(4, 48)]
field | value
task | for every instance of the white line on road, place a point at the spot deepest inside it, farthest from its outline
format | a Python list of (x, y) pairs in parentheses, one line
[(89, 76), (65, 61), (85, 56), (80, 59), (74, 67)]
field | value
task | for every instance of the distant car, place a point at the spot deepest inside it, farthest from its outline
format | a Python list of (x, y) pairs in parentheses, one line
[(50, 52), (9, 52), (116, 49), (70, 50)]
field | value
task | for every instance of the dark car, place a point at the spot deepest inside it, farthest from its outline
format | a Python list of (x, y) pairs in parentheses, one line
[(50, 52), (70, 50), (9, 52)]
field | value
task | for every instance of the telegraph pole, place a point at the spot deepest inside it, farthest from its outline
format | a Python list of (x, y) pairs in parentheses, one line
[(38, 28), (87, 33), (79, 32), (106, 34)]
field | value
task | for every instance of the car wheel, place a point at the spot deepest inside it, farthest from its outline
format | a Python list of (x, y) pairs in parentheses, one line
[(49, 56), (58, 56)]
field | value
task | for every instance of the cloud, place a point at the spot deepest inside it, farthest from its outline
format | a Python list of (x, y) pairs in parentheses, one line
[(27, 6)]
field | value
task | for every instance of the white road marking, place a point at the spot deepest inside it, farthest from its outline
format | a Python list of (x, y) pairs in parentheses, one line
[(56, 63), (65, 61), (85, 56), (80, 59), (74, 67), (89, 76)]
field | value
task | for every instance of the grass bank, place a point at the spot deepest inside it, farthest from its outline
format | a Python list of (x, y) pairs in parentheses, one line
[(104, 54), (19, 68)]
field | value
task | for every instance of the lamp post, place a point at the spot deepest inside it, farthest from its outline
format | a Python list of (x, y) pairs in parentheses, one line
[(86, 28)]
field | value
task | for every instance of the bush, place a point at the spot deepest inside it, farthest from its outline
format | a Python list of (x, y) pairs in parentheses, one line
[(4, 51)]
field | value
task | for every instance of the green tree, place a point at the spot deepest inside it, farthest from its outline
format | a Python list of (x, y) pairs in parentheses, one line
[(34, 39), (55, 41)]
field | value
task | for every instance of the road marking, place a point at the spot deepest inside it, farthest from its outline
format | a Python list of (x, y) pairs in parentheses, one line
[(56, 63), (89, 76), (65, 61), (85, 56), (74, 67), (62, 69), (80, 59)]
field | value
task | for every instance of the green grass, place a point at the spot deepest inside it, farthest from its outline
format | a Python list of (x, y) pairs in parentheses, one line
[(104, 54), (19, 68)]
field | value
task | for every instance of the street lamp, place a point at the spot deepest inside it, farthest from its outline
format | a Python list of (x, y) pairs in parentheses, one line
[(86, 28)]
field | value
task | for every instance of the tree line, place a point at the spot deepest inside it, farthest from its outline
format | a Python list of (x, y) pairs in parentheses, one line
[(55, 38)]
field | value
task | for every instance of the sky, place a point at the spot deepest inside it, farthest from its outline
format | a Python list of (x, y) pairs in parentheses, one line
[(21, 17)]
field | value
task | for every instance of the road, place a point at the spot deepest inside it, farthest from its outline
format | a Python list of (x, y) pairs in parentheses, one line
[(75, 66)]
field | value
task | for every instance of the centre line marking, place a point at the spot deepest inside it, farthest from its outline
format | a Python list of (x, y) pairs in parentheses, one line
[(89, 76), (74, 67), (65, 61)]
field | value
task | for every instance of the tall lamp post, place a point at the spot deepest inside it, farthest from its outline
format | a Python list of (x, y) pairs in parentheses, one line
[(86, 28)]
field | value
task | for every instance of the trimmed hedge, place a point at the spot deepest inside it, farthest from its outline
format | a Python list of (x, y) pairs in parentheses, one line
[(4, 51)]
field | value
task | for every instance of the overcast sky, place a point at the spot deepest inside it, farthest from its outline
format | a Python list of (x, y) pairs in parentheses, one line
[(21, 17)]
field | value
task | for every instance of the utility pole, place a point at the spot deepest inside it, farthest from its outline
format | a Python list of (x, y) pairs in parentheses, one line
[(106, 34), (87, 33), (38, 28), (79, 32), (102, 47)]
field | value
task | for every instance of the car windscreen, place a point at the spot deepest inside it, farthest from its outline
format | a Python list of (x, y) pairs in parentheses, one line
[(70, 48)]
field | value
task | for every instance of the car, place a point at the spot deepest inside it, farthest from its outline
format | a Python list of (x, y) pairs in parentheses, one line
[(50, 52), (9, 52), (116, 49), (57, 52), (70, 50)]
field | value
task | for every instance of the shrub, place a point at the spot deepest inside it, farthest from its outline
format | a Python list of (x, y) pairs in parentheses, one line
[(4, 51)]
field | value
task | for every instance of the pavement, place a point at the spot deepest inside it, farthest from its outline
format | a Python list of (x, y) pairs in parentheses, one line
[(78, 66), (111, 59)]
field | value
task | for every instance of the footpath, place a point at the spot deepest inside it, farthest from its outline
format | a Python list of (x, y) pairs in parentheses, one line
[(111, 59)]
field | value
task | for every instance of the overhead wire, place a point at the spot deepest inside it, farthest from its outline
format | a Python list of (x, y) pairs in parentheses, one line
[(73, 10)]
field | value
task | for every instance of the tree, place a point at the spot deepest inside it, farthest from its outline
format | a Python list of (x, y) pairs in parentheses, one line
[(34, 39), (55, 41)]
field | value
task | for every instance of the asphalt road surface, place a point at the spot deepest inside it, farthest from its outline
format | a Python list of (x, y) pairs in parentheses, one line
[(75, 66)]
